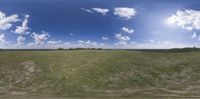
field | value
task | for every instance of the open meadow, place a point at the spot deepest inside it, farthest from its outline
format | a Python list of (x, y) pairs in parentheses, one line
[(100, 73)]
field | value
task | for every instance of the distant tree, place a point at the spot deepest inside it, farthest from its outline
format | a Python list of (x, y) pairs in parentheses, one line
[(61, 49), (92, 48), (99, 48), (71, 48)]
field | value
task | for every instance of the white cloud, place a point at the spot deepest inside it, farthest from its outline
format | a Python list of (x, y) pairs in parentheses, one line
[(31, 44), (40, 38), (98, 10), (152, 40), (6, 21), (22, 30), (76, 44), (127, 30), (122, 37), (101, 44), (160, 45), (87, 10), (153, 45), (104, 38), (199, 37), (53, 42), (84, 44), (71, 34), (121, 43), (20, 40), (2, 39), (194, 35), (101, 10), (125, 12), (187, 19), (87, 43), (3, 42), (126, 45)]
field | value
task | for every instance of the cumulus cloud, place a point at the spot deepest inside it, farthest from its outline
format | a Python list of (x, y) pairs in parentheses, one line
[(87, 43), (152, 40), (186, 19), (40, 38), (104, 38), (2, 39), (101, 10), (22, 30), (148, 44), (194, 35), (53, 42), (159, 45), (125, 12), (122, 37), (75, 44), (127, 30), (121, 43), (87, 10), (3, 42), (31, 44), (6, 21), (20, 40), (84, 44)]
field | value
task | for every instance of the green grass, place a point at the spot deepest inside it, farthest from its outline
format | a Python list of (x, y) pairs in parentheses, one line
[(87, 73)]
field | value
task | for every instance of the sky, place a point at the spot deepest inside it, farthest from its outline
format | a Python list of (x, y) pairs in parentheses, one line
[(123, 24)]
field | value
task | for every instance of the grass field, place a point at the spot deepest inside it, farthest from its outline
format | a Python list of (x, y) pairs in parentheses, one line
[(103, 73)]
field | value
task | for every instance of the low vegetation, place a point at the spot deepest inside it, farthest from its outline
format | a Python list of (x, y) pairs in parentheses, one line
[(100, 73)]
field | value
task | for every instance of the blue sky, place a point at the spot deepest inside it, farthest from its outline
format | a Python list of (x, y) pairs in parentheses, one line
[(99, 23)]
